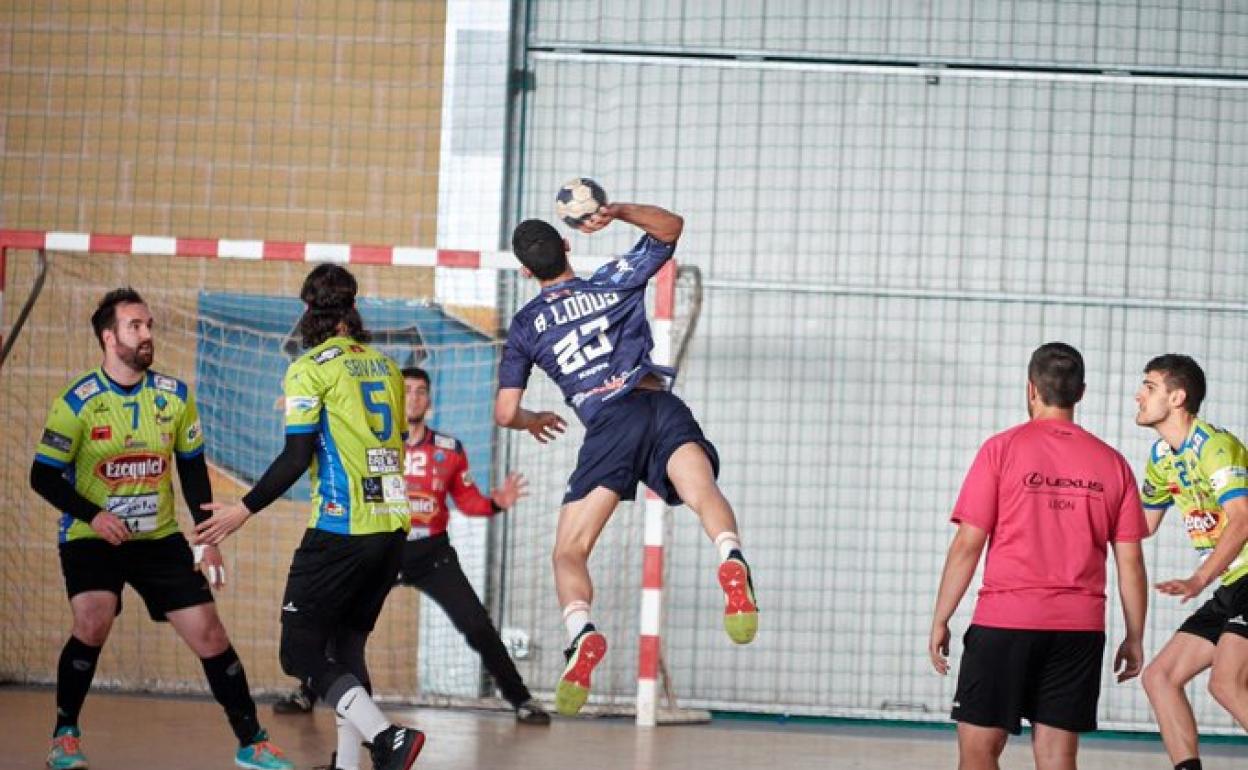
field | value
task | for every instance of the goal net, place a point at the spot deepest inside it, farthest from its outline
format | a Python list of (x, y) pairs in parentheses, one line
[(224, 323)]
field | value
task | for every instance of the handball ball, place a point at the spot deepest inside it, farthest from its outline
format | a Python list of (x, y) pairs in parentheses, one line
[(578, 199)]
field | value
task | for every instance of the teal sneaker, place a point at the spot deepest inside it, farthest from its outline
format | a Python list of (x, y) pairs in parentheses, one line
[(262, 755), (66, 753)]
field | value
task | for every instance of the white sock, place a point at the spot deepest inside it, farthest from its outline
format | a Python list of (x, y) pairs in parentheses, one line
[(358, 708), (349, 740), (726, 543), (575, 616)]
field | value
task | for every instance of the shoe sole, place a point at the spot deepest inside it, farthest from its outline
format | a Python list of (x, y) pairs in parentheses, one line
[(573, 688), (740, 612), (252, 766)]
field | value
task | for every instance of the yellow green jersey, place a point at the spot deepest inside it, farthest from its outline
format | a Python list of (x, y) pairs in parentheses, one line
[(115, 445), (1209, 469), (351, 396)]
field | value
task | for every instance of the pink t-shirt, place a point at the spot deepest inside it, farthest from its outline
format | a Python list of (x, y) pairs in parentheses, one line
[(1051, 497)]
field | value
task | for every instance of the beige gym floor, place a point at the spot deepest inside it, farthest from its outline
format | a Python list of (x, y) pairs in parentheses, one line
[(145, 732)]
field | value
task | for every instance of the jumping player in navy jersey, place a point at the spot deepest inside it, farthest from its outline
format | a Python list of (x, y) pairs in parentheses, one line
[(592, 338)]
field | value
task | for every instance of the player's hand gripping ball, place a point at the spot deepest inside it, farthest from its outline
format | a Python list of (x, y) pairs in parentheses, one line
[(578, 199)]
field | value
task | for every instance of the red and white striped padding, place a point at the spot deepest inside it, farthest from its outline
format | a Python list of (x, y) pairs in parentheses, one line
[(286, 251)]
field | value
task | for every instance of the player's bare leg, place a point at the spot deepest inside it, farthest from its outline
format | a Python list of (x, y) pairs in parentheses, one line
[(691, 473), (580, 525), (1183, 657), (201, 628), (979, 748), (93, 612), (694, 478), (1053, 748), (1229, 681)]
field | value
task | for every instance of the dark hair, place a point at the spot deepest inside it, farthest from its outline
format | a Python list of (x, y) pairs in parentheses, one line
[(105, 315), (329, 291), (539, 247), (1056, 370), (1181, 372), (416, 373)]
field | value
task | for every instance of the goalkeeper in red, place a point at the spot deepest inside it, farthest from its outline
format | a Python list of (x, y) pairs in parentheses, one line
[(592, 338), (105, 460)]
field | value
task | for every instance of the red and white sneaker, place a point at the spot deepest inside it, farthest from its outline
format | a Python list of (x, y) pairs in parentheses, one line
[(740, 609), (584, 654)]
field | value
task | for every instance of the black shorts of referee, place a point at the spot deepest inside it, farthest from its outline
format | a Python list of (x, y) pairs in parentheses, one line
[(1046, 677)]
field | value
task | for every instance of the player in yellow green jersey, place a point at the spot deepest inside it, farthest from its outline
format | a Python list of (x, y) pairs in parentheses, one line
[(1202, 470), (105, 461), (344, 418)]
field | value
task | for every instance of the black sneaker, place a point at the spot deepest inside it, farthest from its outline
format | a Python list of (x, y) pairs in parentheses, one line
[(298, 702), (531, 713), (396, 747)]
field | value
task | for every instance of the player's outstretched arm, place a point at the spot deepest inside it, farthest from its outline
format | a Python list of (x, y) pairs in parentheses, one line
[(658, 223), (282, 473), (543, 426)]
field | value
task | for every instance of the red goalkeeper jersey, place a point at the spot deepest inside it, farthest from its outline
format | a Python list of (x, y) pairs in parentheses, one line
[(435, 466)]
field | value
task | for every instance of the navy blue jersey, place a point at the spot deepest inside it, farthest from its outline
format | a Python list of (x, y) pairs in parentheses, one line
[(590, 335)]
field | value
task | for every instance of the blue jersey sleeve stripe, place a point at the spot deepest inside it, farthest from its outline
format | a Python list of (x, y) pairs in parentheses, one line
[(191, 454), (295, 430), (1231, 495), (1157, 506), (71, 395), (55, 463)]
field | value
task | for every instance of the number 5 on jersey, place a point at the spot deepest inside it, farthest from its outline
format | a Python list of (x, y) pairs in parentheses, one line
[(368, 390), (572, 353)]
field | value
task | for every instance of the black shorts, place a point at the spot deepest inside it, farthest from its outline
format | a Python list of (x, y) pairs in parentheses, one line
[(1048, 677), (1226, 612), (161, 571), (631, 441), (424, 556), (341, 580)]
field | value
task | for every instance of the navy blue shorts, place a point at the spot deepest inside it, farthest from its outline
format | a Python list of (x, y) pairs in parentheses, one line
[(631, 441)]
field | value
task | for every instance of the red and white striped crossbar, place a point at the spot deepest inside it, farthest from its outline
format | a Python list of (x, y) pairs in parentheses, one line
[(282, 251)]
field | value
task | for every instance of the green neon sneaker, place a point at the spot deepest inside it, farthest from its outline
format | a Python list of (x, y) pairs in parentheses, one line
[(261, 754), (740, 609), (66, 753), (586, 652)]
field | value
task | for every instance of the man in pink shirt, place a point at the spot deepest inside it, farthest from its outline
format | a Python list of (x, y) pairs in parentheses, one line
[(1048, 498)]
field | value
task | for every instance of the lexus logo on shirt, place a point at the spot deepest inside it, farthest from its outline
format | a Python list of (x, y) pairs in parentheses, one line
[(1036, 480)]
